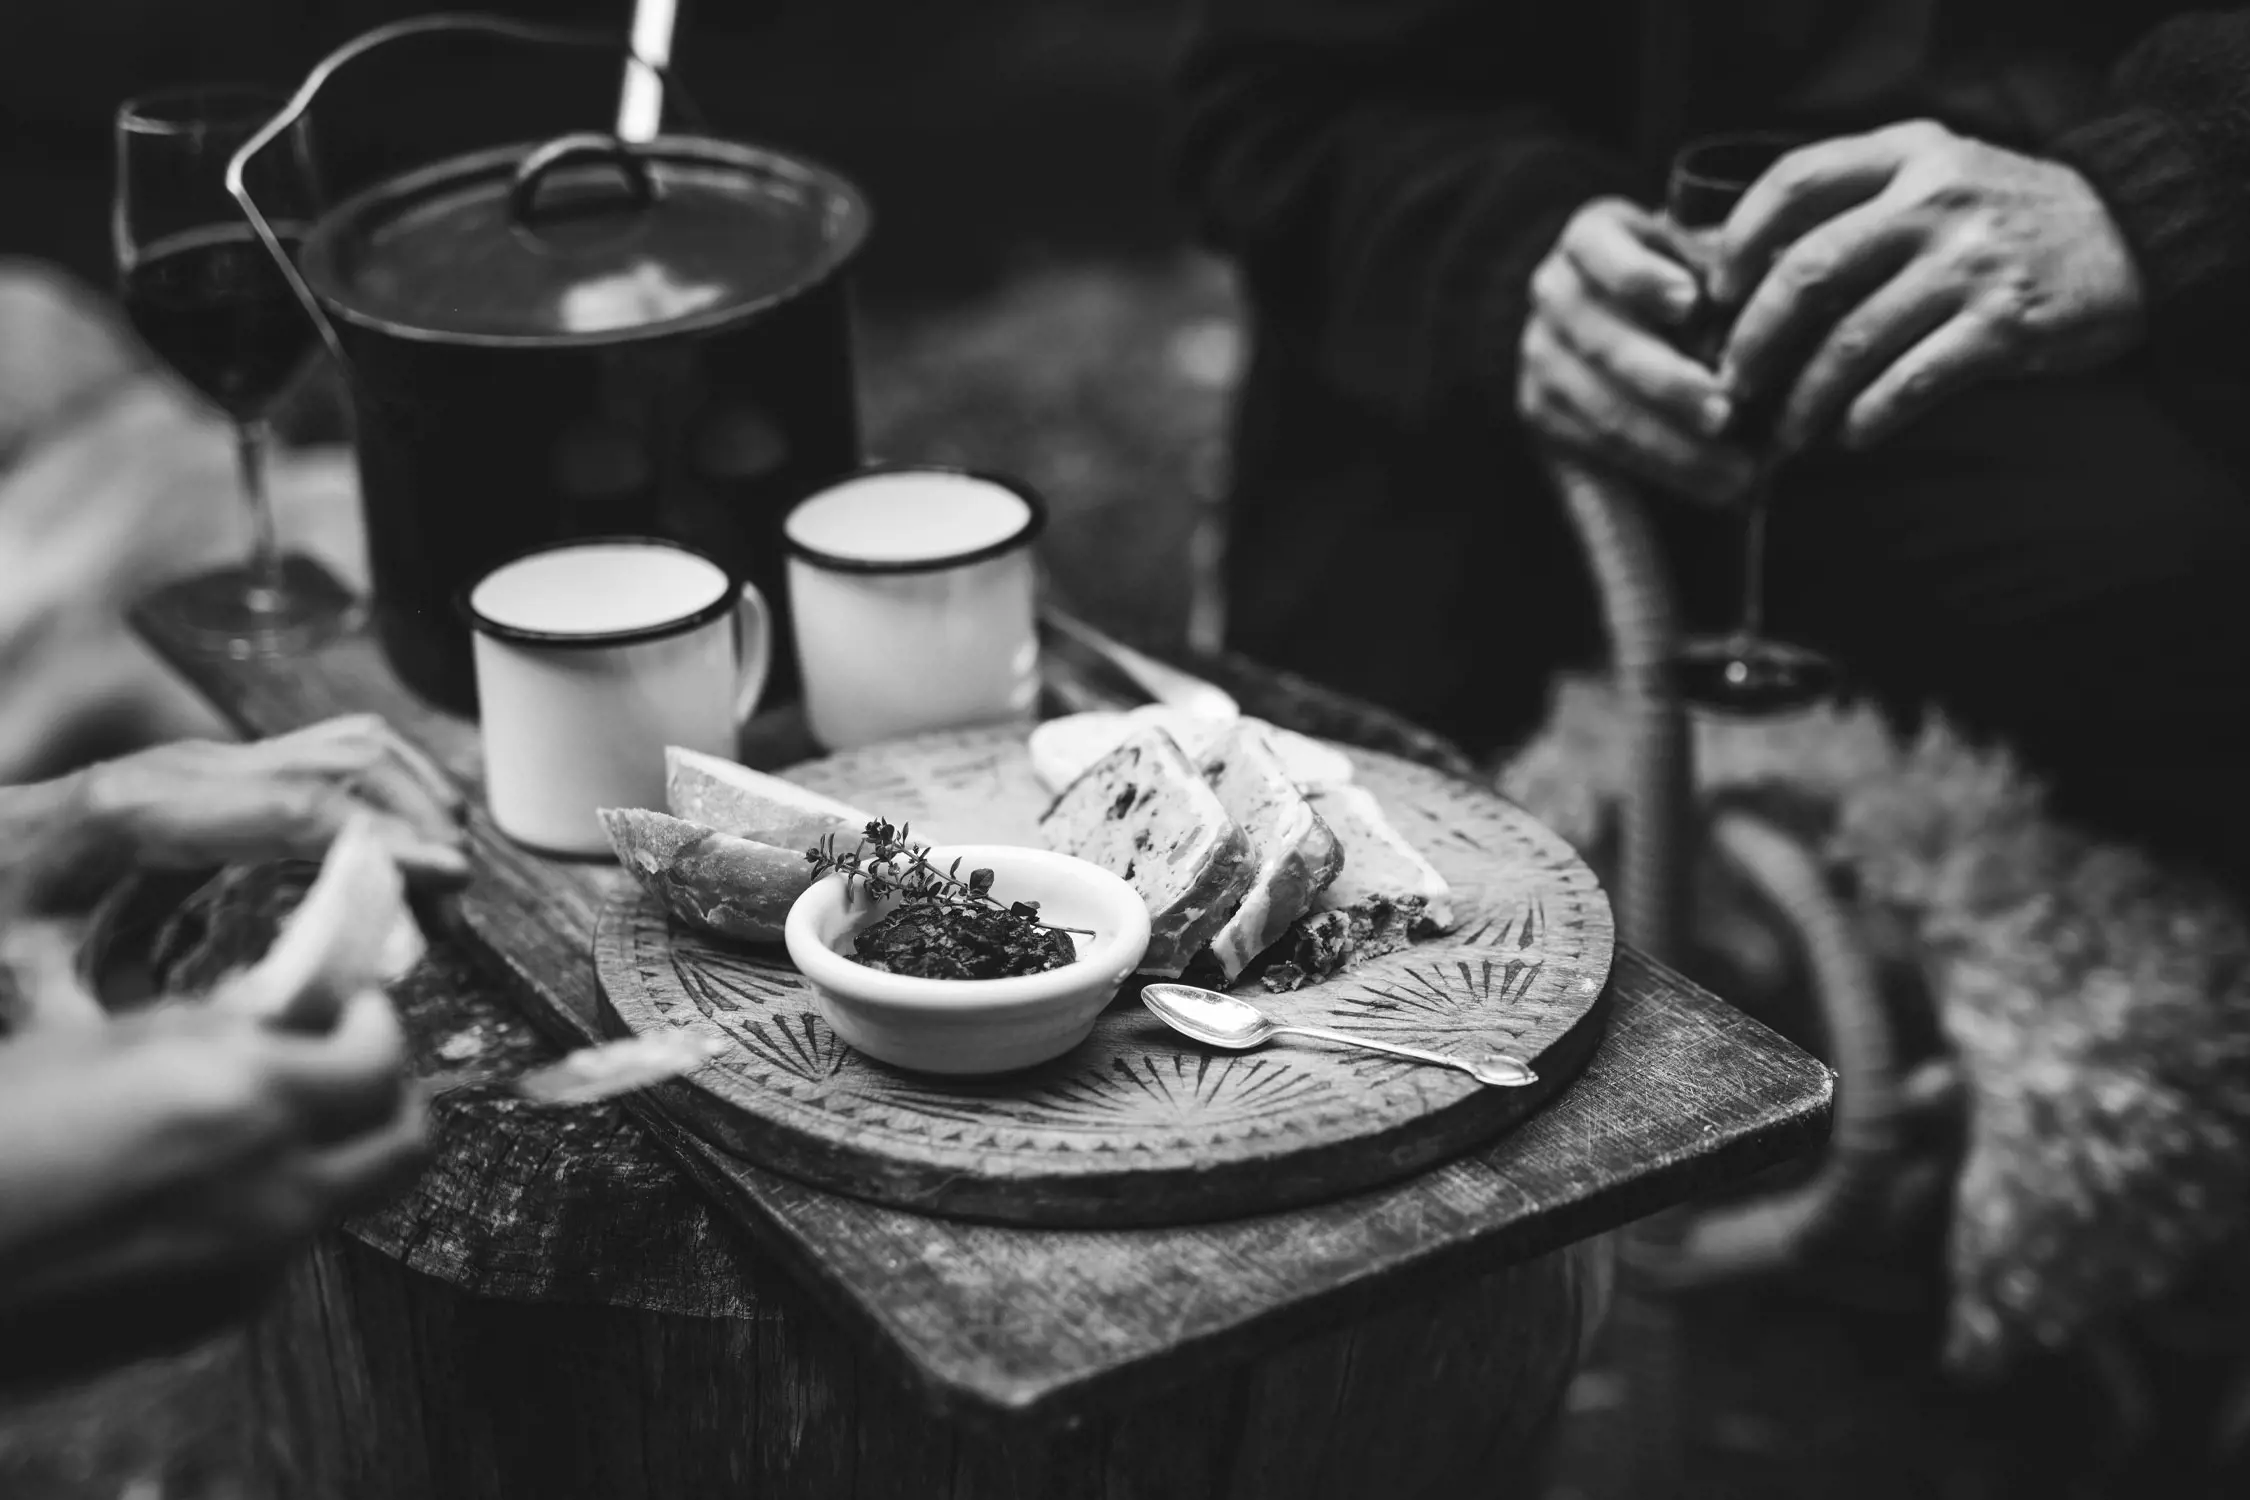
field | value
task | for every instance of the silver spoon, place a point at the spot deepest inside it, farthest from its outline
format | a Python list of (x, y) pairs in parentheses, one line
[(1237, 1026)]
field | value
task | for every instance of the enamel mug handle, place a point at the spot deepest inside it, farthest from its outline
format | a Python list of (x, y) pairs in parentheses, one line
[(753, 648)]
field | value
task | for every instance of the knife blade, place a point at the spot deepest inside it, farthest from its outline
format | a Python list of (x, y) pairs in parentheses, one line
[(1109, 668)]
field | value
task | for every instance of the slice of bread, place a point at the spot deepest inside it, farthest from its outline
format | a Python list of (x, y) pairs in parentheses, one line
[(1386, 896), (1062, 749), (351, 932), (733, 799), (1297, 855), (714, 882), (1144, 813)]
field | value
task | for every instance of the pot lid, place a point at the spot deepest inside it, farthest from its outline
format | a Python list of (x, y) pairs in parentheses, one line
[(582, 240)]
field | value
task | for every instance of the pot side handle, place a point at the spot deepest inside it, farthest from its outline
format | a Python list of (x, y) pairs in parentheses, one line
[(368, 41)]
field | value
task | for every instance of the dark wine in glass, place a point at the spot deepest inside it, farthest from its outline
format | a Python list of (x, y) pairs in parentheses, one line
[(1744, 671), (209, 297), (214, 305)]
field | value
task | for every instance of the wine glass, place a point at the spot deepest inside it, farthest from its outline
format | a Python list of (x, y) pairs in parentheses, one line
[(1744, 671), (206, 294)]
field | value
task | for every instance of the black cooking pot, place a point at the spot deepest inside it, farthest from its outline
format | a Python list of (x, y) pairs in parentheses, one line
[(578, 337)]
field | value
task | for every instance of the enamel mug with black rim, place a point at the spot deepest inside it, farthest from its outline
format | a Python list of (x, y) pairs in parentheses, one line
[(914, 595), (593, 656)]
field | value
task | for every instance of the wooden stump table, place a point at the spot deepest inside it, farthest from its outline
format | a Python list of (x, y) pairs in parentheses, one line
[(598, 1303)]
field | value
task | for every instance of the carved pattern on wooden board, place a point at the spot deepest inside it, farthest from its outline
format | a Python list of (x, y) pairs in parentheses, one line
[(1138, 1125)]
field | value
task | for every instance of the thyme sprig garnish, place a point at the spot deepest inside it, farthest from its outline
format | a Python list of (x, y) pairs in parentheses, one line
[(884, 862)]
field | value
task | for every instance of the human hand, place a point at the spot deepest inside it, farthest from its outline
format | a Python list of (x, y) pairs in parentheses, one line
[(197, 803), (157, 1170), (1877, 274), (1599, 375)]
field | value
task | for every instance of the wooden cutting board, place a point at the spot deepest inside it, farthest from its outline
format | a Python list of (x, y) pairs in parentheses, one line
[(1138, 1126)]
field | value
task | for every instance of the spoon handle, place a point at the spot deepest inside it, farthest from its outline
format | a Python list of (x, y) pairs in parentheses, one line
[(1501, 1069)]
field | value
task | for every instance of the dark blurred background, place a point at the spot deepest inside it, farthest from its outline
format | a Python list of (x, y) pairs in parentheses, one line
[(1031, 301), (992, 134), (1028, 301)]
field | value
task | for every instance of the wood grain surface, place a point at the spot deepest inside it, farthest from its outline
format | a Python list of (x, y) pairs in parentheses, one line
[(389, 1385), (1684, 1095), (1137, 1125)]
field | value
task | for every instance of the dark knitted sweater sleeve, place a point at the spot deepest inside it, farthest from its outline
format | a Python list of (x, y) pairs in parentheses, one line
[(1386, 173), (2171, 159)]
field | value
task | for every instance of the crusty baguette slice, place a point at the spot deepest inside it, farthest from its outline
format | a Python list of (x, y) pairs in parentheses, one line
[(1144, 813), (351, 932), (1297, 855), (734, 799), (714, 882)]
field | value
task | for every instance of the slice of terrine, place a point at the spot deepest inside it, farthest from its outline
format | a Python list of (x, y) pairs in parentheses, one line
[(1297, 856), (1386, 896), (1145, 813)]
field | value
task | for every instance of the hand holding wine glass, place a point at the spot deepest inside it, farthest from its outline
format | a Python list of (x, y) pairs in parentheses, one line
[(1744, 670), (1878, 274), (1601, 372), (208, 296)]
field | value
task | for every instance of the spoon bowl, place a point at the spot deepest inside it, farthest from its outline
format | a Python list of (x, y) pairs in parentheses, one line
[(1209, 1017), (1235, 1025)]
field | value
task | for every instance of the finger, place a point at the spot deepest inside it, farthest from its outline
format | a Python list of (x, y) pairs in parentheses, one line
[(41, 985), (390, 787), (403, 758), (1798, 303), (347, 1080), (301, 816), (442, 788), (236, 818), (1635, 360), (1804, 189), (1960, 353), (1625, 256), (422, 810), (364, 750), (430, 864), (1902, 311), (1590, 415), (328, 743)]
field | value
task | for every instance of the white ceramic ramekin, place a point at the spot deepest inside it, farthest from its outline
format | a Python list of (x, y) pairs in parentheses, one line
[(974, 1026)]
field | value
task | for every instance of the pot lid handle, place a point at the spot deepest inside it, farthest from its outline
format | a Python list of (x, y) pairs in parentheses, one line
[(570, 150)]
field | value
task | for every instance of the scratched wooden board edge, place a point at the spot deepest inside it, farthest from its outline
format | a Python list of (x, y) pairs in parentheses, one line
[(1124, 1199), (981, 1381), (1753, 1148), (1281, 1323)]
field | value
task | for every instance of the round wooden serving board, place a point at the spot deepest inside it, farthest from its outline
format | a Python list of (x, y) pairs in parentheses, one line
[(1139, 1126)]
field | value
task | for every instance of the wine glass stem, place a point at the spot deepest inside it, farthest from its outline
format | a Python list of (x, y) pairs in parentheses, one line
[(1754, 564), (251, 440)]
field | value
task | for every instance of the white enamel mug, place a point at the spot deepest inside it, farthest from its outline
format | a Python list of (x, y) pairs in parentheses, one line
[(591, 657), (914, 595)]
